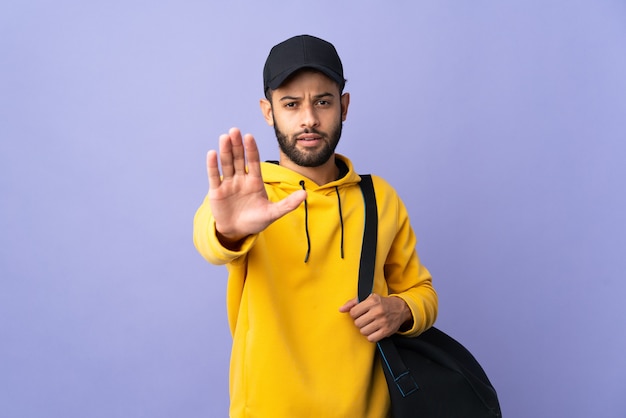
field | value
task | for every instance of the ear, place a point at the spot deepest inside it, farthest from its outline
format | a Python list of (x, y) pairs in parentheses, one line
[(266, 109), (345, 102)]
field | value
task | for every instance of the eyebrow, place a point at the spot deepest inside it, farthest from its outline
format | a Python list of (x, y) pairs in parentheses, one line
[(316, 97)]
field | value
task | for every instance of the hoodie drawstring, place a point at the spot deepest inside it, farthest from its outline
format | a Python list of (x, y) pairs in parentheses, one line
[(340, 217), (306, 223)]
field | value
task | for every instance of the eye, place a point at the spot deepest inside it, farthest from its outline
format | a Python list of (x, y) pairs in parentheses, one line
[(323, 103)]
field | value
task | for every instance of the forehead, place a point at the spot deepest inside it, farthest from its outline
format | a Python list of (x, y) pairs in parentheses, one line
[(308, 80)]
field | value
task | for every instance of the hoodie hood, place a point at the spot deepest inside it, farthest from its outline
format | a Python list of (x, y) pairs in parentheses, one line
[(288, 181)]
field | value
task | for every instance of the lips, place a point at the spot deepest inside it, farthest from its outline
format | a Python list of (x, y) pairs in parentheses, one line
[(308, 137)]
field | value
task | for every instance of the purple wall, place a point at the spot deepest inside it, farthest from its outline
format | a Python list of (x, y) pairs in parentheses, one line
[(502, 126)]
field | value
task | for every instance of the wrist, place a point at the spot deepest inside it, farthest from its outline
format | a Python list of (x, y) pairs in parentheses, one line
[(407, 317), (232, 243)]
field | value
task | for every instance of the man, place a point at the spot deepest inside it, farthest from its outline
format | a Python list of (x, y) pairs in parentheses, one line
[(290, 233)]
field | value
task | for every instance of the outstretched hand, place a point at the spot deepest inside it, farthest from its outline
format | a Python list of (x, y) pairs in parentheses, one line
[(238, 198)]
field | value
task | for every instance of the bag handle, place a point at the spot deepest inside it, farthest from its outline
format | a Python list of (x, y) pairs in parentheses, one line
[(390, 356)]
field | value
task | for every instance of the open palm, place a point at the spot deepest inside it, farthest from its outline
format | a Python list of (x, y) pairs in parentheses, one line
[(237, 196)]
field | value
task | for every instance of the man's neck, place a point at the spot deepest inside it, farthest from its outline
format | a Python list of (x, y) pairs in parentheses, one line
[(321, 175)]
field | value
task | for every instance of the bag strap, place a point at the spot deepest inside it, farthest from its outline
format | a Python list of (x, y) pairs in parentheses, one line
[(370, 239), (390, 356)]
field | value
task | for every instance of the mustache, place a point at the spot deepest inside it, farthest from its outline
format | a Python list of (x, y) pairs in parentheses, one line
[(310, 131)]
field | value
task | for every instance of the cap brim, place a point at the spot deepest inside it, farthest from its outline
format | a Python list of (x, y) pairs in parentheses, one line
[(277, 81)]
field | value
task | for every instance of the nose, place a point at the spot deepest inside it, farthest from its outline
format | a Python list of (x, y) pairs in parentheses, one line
[(310, 117)]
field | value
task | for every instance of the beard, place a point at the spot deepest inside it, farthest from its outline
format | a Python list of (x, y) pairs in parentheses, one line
[(309, 157)]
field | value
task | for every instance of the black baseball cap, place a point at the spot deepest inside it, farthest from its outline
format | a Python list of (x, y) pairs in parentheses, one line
[(302, 51)]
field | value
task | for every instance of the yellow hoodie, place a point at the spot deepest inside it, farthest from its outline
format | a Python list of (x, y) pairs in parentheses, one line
[(294, 354)]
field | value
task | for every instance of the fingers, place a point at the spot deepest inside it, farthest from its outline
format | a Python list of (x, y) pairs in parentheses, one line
[(233, 154), (212, 170), (226, 156), (288, 204), (360, 313), (369, 317), (252, 155), (365, 306), (238, 153), (349, 305)]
